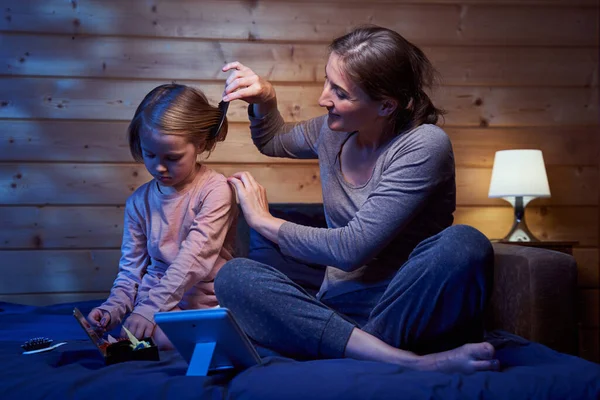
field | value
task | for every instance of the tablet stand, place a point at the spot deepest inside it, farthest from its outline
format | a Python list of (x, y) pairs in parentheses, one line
[(201, 358)]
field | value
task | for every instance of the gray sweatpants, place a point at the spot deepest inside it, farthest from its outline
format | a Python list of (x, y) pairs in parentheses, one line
[(435, 302)]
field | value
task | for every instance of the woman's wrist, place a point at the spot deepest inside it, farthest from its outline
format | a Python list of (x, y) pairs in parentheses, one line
[(259, 110), (268, 226)]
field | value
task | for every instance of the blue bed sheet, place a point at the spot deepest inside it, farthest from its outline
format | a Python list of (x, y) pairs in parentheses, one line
[(76, 371)]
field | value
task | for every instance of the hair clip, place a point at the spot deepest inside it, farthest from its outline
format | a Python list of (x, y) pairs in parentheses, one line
[(223, 106)]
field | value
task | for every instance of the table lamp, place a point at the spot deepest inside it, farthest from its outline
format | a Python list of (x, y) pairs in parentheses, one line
[(518, 177)]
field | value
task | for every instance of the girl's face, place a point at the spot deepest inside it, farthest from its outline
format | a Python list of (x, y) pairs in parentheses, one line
[(350, 108), (171, 159)]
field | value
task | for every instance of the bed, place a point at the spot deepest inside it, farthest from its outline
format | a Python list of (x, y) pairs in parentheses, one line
[(534, 297), (77, 371)]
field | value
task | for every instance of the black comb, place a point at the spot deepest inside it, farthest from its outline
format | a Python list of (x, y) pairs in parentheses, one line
[(223, 107), (36, 344)]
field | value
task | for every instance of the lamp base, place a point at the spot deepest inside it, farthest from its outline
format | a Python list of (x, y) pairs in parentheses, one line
[(519, 231)]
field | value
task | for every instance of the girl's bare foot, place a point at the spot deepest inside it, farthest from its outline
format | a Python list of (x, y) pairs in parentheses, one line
[(466, 359)]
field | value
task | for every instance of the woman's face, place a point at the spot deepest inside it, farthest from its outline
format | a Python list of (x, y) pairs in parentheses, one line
[(350, 108)]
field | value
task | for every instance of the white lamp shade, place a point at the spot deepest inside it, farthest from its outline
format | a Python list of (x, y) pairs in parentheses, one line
[(519, 173)]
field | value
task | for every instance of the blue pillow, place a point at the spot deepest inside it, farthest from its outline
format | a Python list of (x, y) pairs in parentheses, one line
[(309, 276)]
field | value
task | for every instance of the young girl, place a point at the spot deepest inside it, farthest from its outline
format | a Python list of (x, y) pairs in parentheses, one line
[(179, 227)]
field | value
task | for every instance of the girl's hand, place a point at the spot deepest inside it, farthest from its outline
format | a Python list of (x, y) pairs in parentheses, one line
[(139, 326), (243, 84), (99, 318)]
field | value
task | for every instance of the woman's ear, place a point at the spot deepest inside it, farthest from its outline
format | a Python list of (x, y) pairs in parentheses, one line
[(387, 107)]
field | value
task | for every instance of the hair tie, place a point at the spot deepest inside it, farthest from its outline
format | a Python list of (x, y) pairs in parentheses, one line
[(223, 106)]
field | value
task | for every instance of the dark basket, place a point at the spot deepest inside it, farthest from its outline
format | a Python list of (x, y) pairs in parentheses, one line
[(122, 351)]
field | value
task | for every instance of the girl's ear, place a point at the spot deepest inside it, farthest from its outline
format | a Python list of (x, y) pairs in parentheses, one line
[(387, 107)]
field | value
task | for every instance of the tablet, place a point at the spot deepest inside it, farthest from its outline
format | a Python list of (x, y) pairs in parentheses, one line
[(210, 340)]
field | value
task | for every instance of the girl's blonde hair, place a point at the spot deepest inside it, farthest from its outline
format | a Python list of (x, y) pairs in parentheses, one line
[(174, 109)]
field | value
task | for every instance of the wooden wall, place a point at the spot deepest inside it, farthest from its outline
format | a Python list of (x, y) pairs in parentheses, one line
[(515, 74)]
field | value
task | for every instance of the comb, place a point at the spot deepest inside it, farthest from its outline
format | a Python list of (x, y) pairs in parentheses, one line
[(223, 107), (38, 345)]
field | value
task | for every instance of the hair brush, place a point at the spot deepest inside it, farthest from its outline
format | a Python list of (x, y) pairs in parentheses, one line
[(38, 345)]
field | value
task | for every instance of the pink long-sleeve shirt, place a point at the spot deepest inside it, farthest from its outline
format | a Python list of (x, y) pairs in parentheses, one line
[(173, 246)]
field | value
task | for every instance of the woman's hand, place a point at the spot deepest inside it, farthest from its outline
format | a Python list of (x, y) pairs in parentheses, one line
[(254, 203), (139, 326), (243, 84), (252, 196)]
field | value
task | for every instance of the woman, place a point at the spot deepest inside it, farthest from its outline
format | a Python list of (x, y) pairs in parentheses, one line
[(402, 285)]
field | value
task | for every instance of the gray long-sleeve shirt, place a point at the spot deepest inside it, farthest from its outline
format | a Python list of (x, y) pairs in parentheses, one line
[(372, 228)]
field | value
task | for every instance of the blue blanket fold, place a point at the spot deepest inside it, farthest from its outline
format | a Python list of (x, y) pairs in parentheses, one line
[(76, 370)]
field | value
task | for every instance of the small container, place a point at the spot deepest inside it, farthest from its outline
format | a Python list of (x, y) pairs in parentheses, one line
[(121, 351)]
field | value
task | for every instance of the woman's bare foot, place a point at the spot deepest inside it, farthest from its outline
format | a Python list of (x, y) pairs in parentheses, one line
[(467, 359)]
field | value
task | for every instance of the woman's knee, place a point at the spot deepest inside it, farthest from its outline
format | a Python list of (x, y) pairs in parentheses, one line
[(236, 278), (466, 242), (229, 276), (465, 252)]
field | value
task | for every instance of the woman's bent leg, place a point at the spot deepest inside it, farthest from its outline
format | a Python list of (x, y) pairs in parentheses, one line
[(278, 314), (437, 299)]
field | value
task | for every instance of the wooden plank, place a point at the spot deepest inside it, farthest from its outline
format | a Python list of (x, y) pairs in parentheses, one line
[(547, 223), (516, 25), (588, 267), (499, 106), (117, 99), (105, 141), (62, 271), (568, 186), (571, 145), (589, 307), (46, 299), (154, 58), (589, 344), (86, 227), (305, 21), (466, 105), (105, 184), (515, 66), (61, 227)]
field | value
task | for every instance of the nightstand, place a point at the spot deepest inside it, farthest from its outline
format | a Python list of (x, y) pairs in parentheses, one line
[(563, 247)]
